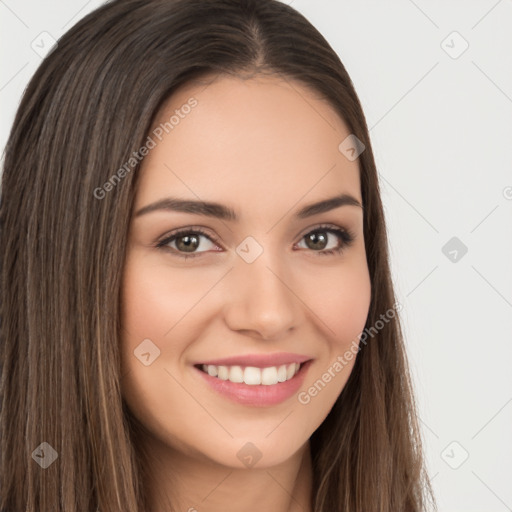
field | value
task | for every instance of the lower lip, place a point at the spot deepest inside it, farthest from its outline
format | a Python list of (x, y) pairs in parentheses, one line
[(258, 395)]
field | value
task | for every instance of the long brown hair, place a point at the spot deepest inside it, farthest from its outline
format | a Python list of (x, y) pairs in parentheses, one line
[(87, 109)]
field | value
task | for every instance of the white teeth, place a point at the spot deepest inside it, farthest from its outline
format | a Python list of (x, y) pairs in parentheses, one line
[(269, 376), (236, 374), (223, 372), (251, 375), (290, 371), (281, 373)]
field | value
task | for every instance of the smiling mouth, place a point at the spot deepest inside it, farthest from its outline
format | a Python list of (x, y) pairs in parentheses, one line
[(251, 375)]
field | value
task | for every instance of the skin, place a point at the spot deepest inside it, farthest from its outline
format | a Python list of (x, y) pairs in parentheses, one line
[(265, 147)]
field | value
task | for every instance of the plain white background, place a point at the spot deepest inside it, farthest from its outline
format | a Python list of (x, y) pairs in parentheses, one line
[(435, 81)]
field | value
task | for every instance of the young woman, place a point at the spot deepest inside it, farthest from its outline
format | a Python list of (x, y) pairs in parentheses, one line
[(196, 304)]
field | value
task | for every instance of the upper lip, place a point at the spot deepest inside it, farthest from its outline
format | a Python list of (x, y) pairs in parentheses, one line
[(258, 360)]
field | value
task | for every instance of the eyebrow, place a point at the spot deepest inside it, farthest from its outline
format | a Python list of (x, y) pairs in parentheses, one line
[(220, 211)]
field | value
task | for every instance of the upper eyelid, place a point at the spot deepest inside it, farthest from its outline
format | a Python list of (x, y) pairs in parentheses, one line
[(202, 231), (325, 225)]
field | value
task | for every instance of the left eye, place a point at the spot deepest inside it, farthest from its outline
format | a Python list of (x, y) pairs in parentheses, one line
[(318, 237)]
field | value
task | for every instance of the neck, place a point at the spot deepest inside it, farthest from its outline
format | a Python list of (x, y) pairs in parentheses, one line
[(193, 483)]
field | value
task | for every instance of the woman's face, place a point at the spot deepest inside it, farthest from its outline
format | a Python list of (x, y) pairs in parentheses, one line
[(261, 286)]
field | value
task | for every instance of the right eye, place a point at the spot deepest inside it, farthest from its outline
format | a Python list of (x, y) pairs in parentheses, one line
[(186, 242)]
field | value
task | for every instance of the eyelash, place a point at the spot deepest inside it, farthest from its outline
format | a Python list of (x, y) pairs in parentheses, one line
[(345, 235)]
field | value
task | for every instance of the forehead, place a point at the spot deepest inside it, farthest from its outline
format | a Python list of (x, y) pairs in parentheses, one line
[(247, 142)]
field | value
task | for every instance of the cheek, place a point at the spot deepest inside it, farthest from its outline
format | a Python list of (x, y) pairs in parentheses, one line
[(152, 303), (340, 298), (154, 299), (144, 304), (148, 311), (340, 301)]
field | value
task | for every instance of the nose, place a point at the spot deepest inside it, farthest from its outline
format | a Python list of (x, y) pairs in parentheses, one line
[(262, 302)]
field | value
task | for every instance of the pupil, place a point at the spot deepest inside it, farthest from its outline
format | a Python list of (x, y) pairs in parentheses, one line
[(188, 246), (314, 237)]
